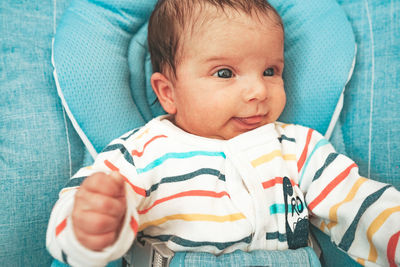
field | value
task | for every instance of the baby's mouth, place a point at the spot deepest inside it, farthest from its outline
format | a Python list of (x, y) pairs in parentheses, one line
[(249, 122)]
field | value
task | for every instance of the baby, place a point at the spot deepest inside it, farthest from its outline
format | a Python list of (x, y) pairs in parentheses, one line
[(219, 173)]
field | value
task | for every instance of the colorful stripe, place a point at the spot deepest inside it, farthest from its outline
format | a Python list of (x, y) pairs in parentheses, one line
[(130, 134), (360, 261), (140, 153), (325, 192), (349, 235), (146, 131), (192, 193), (123, 151), (285, 138), (391, 249), (274, 181), (320, 144), (61, 226), (303, 156), (195, 217), (289, 157), (322, 226), (280, 208), (269, 157), (284, 125), (375, 226), (185, 177), (350, 196), (138, 190), (134, 225), (276, 235), (64, 257), (193, 244), (182, 155), (331, 157), (172, 179)]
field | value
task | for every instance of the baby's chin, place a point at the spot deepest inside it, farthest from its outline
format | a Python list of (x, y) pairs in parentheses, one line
[(216, 136), (240, 126), (233, 128), (227, 135)]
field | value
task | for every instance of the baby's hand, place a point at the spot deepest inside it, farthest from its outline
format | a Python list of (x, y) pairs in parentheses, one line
[(99, 210)]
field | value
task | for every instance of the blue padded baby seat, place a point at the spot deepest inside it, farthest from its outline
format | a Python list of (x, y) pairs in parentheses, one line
[(102, 69)]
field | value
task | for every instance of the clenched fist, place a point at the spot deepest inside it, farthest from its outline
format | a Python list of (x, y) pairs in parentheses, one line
[(99, 210)]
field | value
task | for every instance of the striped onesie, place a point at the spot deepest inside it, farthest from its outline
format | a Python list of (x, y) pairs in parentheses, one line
[(258, 190)]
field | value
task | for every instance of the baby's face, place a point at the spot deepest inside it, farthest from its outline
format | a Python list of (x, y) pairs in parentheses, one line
[(229, 78)]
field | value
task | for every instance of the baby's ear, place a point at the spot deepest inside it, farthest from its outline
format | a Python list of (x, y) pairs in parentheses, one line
[(164, 90)]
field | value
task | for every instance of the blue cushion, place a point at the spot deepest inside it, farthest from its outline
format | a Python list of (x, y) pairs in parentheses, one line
[(39, 149), (103, 67), (116, 263), (302, 257), (369, 127)]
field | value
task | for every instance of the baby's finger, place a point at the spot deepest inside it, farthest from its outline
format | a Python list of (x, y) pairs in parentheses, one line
[(111, 185), (95, 242), (94, 223), (118, 177), (89, 201), (119, 181)]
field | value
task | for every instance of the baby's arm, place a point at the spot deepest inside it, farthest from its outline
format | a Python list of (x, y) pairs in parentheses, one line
[(95, 219), (361, 215)]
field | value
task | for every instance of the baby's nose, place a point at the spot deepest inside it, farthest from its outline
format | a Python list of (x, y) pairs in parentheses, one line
[(257, 90)]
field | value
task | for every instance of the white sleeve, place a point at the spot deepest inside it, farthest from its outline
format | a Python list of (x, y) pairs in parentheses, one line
[(61, 241), (361, 215)]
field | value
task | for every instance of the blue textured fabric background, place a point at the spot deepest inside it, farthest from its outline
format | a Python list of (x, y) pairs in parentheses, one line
[(35, 141), (368, 130), (39, 149), (370, 121), (302, 257)]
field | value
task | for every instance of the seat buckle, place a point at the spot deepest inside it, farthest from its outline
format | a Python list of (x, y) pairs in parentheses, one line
[(148, 252)]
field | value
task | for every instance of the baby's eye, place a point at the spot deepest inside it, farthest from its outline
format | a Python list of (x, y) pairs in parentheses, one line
[(269, 72), (223, 73)]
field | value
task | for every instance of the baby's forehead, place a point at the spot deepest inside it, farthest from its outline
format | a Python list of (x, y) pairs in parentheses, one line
[(230, 38), (198, 21), (211, 21)]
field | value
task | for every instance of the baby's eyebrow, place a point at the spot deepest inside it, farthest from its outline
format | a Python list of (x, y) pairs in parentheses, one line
[(226, 58), (216, 58)]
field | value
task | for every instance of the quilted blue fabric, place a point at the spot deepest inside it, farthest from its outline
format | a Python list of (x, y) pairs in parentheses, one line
[(369, 126), (39, 149), (103, 67), (302, 257), (368, 130), (319, 53)]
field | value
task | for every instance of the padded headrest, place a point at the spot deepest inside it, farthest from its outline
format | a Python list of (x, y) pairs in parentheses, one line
[(103, 69)]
